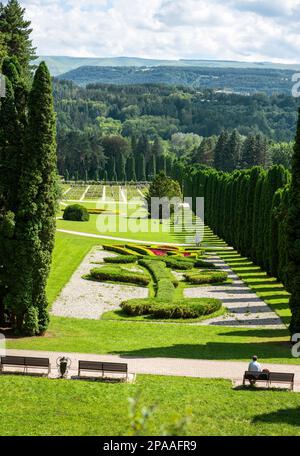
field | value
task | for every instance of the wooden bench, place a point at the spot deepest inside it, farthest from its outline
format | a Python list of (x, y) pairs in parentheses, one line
[(103, 368), (270, 377), (25, 362)]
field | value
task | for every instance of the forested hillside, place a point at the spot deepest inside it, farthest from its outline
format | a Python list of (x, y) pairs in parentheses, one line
[(237, 80), (103, 128)]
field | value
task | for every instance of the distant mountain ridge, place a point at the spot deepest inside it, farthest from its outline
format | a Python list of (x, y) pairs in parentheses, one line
[(244, 81), (62, 64)]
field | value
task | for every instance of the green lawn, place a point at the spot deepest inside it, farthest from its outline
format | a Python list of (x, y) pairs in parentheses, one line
[(161, 340), (64, 408), (130, 223), (68, 253)]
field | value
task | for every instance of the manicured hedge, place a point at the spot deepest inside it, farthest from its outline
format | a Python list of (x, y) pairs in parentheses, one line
[(202, 277), (158, 270), (117, 274), (117, 249), (179, 263), (139, 249), (76, 213), (137, 307), (165, 290), (188, 308), (122, 259)]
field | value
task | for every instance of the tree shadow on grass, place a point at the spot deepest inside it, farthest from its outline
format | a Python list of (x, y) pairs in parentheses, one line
[(213, 351), (288, 416), (261, 333)]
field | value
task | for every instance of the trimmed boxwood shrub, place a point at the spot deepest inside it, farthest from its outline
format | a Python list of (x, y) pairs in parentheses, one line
[(122, 259), (158, 270), (179, 263), (137, 307), (140, 250), (188, 308), (118, 274), (117, 249), (76, 213), (165, 290), (202, 277)]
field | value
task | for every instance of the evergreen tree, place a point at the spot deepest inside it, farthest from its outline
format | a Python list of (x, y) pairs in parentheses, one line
[(232, 152), (293, 237), (221, 150), (248, 153), (157, 148), (35, 216), (15, 31), (143, 169), (130, 168)]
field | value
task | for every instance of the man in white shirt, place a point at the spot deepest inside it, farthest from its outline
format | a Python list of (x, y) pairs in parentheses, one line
[(254, 366)]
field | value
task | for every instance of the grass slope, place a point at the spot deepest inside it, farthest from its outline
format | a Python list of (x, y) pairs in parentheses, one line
[(68, 253), (161, 340), (90, 408)]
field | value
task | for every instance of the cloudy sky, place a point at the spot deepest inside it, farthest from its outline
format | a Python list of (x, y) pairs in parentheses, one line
[(249, 30)]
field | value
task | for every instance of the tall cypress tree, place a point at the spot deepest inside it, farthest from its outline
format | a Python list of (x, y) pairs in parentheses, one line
[(293, 237), (221, 150), (130, 168), (35, 216)]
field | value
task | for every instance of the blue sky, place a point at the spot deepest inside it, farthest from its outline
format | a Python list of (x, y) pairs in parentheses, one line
[(249, 30)]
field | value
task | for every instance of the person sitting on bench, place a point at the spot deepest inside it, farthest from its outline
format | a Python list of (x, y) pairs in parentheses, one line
[(254, 366)]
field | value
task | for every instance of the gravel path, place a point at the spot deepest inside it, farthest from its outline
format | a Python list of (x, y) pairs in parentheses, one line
[(86, 299), (244, 306)]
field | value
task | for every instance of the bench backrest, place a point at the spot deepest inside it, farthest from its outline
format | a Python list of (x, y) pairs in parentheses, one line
[(13, 360), (36, 362), (90, 365), (115, 367), (281, 377)]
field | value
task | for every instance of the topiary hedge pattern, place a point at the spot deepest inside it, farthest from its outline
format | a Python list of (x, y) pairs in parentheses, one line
[(117, 274), (121, 250), (203, 277), (164, 305), (186, 309), (121, 259)]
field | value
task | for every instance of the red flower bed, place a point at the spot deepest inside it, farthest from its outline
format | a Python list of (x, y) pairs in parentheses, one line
[(158, 252), (187, 254)]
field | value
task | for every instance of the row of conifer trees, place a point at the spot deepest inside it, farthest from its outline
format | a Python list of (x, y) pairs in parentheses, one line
[(252, 211)]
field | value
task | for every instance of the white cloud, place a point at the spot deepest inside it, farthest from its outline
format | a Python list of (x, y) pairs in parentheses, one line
[(252, 30)]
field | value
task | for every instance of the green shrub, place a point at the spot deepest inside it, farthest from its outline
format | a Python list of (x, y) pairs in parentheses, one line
[(138, 307), (117, 249), (165, 290), (122, 259), (202, 277), (158, 270), (179, 263), (141, 250), (188, 308), (76, 213), (117, 274)]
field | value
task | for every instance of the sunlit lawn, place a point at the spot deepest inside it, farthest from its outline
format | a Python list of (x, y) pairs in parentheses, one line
[(172, 340), (212, 407)]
